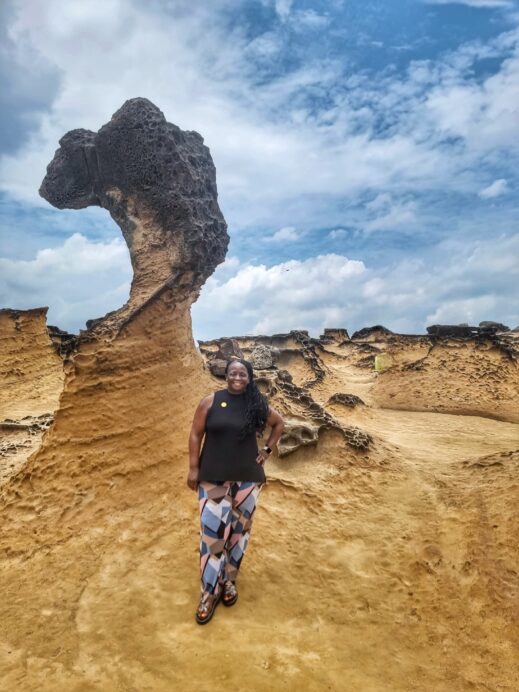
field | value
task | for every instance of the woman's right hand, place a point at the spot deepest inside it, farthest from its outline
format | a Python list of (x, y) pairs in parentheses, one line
[(192, 479)]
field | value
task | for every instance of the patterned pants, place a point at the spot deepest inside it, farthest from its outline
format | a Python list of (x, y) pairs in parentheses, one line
[(226, 512)]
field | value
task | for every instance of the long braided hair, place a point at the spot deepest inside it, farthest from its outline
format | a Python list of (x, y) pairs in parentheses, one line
[(256, 404)]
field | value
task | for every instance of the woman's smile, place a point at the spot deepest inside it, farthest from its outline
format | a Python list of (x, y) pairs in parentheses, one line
[(237, 377)]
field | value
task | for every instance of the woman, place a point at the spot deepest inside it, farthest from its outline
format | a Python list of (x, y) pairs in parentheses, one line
[(229, 476)]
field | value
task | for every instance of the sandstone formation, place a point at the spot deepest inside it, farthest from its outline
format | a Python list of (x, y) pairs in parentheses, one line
[(31, 377), (131, 381), (405, 547), (384, 552)]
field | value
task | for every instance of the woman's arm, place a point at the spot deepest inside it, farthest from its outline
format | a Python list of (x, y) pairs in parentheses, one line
[(195, 439), (277, 425)]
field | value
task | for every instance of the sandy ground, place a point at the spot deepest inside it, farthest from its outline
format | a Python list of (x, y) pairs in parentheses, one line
[(389, 570)]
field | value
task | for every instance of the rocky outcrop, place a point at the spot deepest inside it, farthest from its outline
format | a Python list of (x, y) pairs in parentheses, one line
[(331, 335), (133, 378), (372, 332), (31, 376), (278, 384), (228, 350), (263, 357), (350, 400), (99, 531), (453, 331), (297, 434), (64, 343), (31, 372), (158, 183)]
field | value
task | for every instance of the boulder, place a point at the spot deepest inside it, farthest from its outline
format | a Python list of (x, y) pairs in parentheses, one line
[(263, 357)]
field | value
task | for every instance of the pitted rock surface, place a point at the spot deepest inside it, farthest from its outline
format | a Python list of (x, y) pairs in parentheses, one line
[(263, 357), (351, 400), (488, 332), (295, 436), (308, 349), (324, 421), (158, 183)]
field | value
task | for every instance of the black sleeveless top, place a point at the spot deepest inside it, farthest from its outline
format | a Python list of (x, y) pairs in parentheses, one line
[(226, 457)]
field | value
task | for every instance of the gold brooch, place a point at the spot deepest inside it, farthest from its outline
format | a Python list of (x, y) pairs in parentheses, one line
[(223, 404)]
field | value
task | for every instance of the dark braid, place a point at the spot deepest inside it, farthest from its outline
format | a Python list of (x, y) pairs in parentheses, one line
[(256, 404)]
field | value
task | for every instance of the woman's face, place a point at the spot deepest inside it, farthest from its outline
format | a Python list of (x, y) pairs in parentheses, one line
[(237, 378)]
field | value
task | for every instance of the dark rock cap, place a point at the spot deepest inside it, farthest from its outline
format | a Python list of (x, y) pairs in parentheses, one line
[(139, 165)]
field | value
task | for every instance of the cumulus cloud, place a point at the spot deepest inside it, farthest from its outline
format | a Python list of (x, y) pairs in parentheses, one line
[(78, 280), (291, 294), (495, 189), (287, 234), (461, 285)]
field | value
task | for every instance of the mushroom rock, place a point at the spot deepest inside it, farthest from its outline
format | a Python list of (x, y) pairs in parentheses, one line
[(134, 376), (159, 185)]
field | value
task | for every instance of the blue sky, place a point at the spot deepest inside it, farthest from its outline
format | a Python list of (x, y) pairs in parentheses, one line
[(366, 151)]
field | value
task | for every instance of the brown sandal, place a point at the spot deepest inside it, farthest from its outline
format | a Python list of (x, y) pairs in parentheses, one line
[(230, 593), (206, 608)]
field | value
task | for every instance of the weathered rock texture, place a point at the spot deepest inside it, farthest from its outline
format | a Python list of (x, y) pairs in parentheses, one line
[(131, 380), (31, 380), (31, 372), (406, 547), (159, 185)]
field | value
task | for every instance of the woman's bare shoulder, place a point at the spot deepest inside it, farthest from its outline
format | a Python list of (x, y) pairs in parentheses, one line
[(206, 402)]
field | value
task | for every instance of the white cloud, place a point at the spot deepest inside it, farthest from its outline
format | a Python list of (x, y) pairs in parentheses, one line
[(387, 215), (473, 3), (283, 8), (337, 233), (299, 150), (279, 159), (462, 284), (468, 310), (287, 234), (285, 296), (310, 19), (78, 280), (495, 189)]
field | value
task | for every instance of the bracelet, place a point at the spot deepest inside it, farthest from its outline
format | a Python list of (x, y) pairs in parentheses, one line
[(267, 449)]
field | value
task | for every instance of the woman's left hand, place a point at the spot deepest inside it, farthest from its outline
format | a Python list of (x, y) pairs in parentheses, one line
[(262, 456)]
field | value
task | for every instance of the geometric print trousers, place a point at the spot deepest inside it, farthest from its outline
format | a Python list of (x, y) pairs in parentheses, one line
[(226, 513)]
